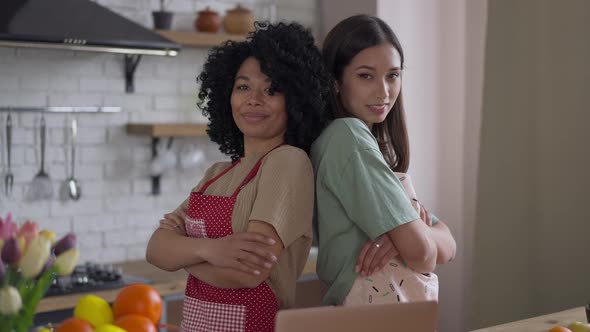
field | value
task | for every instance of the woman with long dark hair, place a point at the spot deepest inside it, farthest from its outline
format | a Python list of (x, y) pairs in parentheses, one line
[(377, 243)]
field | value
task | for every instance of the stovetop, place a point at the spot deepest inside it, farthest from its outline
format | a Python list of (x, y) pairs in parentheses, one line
[(92, 277)]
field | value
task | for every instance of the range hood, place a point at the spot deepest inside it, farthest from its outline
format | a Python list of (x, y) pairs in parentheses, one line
[(79, 25)]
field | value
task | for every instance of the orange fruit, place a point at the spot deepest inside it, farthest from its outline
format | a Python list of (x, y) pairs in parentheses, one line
[(74, 325), (560, 329), (138, 299), (136, 323)]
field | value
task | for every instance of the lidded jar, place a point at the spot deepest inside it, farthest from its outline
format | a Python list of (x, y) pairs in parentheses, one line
[(208, 21), (238, 20)]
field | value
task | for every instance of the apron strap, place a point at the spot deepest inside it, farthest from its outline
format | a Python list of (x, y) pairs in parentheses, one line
[(208, 183), (252, 172)]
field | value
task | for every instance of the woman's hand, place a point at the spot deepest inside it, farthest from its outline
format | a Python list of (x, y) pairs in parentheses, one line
[(231, 251), (174, 221), (374, 255), (234, 250), (424, 215)]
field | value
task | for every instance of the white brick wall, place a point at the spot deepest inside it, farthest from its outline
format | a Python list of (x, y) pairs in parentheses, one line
[(116, 214)]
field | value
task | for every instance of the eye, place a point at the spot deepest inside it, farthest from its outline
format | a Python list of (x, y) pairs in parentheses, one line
[(365, 76), (393, 76), (242, 87), (272, 91)]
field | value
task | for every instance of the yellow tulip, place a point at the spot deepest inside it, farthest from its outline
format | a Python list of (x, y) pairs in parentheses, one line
[(22, 243), (48, 235), (66, 262), (10, 301), (35, 257)]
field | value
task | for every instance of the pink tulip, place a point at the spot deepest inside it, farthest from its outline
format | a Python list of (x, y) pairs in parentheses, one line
[(8, 229), (29, 230)]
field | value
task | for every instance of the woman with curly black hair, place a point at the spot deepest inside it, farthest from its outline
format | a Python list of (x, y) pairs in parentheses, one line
[(244, 233)]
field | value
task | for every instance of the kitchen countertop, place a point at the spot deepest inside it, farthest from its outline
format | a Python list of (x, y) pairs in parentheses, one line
[(167, 283), (541, 323)]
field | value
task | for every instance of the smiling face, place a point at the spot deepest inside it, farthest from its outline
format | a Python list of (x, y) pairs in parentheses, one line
[(259, 112), (371, 83)]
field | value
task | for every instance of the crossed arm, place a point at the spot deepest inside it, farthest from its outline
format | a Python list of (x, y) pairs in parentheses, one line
[(436, 245), (240, 260)]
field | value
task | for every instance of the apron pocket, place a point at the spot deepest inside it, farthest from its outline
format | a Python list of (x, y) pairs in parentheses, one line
[(198, 315)]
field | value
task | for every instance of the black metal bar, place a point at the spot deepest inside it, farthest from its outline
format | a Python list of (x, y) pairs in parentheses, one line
[(131, 62), (155, 178)]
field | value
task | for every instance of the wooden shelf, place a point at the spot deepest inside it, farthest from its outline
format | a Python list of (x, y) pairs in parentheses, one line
[(167, 129), (199, 39)]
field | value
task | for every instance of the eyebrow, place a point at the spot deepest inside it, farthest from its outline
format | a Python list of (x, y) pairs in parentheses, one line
[(246, 78), (372, 68)]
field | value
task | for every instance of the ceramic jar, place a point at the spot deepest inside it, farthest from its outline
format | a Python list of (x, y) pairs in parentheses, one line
[(208, 21), (238, 21)]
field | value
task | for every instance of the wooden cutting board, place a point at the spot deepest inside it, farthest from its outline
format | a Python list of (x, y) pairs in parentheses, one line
[(541, 323)]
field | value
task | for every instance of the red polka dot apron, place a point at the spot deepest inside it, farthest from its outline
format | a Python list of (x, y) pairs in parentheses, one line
[(208, 308)]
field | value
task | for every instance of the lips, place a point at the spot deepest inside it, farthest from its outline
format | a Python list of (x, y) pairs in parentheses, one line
[(254, 116), (378, 108)]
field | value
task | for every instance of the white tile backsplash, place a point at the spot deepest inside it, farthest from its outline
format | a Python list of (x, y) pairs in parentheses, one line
[(117, 213), (9, 83)]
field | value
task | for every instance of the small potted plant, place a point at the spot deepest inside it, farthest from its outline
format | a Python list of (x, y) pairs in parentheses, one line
[(162, 18)]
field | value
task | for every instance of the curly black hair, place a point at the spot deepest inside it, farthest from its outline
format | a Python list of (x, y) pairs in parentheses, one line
[(289, 57)]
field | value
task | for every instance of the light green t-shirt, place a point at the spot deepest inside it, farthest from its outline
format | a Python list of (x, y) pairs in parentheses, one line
[(357, 197)]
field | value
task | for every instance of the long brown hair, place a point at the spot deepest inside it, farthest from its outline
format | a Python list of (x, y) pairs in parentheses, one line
[(344, 42)]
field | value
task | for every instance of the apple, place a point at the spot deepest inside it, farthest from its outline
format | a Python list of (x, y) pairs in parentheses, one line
[(579, 327)]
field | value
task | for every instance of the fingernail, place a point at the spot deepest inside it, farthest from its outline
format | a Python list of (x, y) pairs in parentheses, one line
[(268, 265), (357, 269), (272, 241), (273, 258), (256, 272)]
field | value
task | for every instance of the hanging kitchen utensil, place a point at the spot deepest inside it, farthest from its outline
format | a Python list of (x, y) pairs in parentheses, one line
[(41, 187), (73, 185), (9, 177)]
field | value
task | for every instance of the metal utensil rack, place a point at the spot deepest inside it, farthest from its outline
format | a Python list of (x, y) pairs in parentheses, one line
[(9, 177)]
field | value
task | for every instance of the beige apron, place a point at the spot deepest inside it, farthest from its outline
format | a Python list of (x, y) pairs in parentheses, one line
[(395, 282)]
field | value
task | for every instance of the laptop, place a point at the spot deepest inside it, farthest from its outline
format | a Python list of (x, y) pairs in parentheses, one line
[(403, 317)]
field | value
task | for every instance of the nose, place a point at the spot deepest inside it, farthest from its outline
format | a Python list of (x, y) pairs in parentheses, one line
[(382, 90), (255, 98)]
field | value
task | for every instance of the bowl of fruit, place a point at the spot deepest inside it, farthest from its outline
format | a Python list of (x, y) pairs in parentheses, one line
[(137, 308)]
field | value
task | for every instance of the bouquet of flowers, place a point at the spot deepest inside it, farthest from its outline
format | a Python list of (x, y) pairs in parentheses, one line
[(31, 260)]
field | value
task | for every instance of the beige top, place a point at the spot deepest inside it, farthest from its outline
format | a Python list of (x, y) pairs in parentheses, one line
[(281, 194)]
